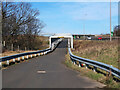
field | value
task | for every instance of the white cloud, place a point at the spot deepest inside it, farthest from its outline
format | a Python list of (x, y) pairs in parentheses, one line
[(90, 11)]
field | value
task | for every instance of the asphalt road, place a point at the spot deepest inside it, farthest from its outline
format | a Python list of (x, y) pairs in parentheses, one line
[(57, 75)]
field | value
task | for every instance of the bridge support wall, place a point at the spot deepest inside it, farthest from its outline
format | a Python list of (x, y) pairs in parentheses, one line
[(70, 39)]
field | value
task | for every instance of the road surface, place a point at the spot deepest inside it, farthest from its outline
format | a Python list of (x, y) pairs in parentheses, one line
[(54, 74)]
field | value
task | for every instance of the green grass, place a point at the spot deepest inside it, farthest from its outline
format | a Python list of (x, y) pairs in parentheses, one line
[(93, 75)]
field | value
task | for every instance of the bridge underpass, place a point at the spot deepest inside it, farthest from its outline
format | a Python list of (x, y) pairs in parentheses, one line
[(24, 75), (62, 36)]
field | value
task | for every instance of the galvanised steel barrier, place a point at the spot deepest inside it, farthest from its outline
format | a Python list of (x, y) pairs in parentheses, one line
[(22, 56), (109, 68)]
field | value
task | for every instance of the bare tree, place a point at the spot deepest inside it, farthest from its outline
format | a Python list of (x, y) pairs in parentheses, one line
[(19, 23), (117, 30)]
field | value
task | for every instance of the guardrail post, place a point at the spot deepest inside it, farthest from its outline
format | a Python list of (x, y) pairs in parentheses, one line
[(94, 69), (79, 64), (13, 59), (31, 55), (44, 53), (74, 62), (27, 57), (0, 64), (86, 66), (35, 55), (22, 57), (38, 54), (18, 58), (7, 62)]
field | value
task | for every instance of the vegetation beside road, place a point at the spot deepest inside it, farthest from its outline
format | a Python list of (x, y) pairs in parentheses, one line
[(8, 53), (93, 75), (21, 26), (102, 51), (44, 44)]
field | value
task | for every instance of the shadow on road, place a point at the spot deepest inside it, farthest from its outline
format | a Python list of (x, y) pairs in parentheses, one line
[(63, 44)]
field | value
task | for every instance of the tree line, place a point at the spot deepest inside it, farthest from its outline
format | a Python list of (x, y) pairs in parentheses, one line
[(117, 30), (20, 26)]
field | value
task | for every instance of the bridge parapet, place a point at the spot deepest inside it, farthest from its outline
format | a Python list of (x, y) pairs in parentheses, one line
[(62, 35)]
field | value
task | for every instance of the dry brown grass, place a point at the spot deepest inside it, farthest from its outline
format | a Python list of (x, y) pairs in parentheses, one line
[(8, 53), (45, 42), (44, 45), (103, 51)]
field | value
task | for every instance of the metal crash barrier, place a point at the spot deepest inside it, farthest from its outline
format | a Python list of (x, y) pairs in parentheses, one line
[(24, 56), (109, 68)]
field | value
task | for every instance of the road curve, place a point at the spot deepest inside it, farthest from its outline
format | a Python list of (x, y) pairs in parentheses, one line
[(56, 75)]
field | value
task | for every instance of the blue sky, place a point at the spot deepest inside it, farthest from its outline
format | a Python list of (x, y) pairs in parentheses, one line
[(72, 17)]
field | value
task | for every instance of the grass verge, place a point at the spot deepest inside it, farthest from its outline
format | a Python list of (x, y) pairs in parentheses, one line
[(93, 75), (102, 51)]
